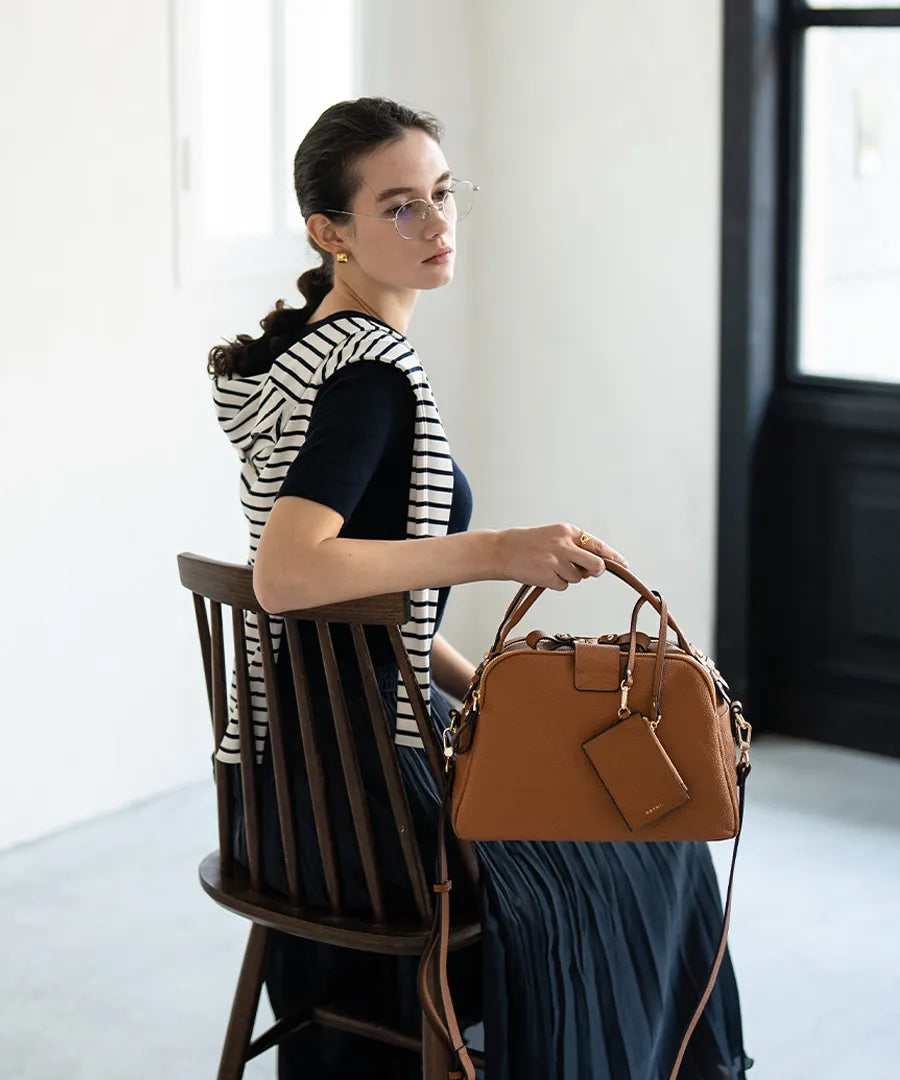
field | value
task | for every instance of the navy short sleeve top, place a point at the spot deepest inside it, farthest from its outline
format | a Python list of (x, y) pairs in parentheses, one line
[(357, 459)]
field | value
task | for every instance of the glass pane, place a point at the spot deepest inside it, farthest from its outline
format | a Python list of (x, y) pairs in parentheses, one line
[(314, 77), (234, 166), (849, 208)]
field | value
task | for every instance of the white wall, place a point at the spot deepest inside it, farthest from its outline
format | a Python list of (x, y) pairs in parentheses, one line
[(114, 462), (433, 71), (594, 366), (573, 358)]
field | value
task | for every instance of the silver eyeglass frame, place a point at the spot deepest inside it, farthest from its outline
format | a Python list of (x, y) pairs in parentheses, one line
[(432, 207)]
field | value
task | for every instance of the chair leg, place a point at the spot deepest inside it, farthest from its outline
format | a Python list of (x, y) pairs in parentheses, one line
[(435, 1056), (244, 1008)]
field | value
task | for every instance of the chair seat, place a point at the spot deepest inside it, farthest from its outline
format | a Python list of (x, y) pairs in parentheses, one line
[(352, 931)]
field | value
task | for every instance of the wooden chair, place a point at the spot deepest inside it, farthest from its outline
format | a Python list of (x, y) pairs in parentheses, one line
[(216, 584)]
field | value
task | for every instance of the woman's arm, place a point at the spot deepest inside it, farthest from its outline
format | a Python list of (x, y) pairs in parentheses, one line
[(301, 562), (362, 414), (449, 668)]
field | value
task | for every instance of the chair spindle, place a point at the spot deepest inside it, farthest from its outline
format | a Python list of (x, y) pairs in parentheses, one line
[(466, 849), (219, 708), (315, 773), (359, 807), (282, 782), (248, 748), (384, 739)]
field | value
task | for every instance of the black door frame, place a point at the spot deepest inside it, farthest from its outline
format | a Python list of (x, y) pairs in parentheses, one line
[(747, 341), (760, 190)]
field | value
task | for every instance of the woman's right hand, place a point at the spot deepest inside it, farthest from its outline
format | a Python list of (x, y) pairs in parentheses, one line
[(551, 556)]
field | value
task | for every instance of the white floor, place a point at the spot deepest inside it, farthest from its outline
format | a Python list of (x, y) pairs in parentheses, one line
[(125, 969)]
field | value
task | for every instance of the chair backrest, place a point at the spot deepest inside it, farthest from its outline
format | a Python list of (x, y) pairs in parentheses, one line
[(215, 585)]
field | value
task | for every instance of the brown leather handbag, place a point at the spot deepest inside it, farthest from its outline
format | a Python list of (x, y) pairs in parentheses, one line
[(617, 737)]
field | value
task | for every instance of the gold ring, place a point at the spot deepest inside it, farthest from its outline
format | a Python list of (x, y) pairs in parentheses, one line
[(583, 539)]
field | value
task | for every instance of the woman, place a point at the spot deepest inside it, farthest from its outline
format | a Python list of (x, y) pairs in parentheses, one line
[(593, 955)]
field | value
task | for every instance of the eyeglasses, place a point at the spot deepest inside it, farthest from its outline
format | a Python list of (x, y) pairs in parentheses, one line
[(412, 218)]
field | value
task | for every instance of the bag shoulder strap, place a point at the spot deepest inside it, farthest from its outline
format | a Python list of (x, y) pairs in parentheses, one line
[(446, 1025)]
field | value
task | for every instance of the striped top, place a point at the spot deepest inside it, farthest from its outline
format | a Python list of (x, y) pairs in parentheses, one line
[(265, 417)]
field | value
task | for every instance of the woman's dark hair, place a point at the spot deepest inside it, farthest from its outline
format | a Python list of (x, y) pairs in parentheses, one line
[(324, 176)]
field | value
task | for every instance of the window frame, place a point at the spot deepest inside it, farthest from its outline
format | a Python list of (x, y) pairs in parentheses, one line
[(200, 260), (795, 19)]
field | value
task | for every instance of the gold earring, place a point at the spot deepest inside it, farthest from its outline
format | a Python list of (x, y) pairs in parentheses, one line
[(342, 257)]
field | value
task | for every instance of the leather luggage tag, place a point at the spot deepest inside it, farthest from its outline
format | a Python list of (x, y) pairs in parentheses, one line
[(637, 771)]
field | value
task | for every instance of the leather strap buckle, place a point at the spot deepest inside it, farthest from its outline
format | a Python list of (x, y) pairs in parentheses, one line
[(744, 731)]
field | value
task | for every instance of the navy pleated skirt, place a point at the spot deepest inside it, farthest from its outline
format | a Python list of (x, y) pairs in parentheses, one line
[(593, 955)]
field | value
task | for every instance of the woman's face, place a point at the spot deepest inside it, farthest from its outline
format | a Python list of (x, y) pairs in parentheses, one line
[(415, 164)]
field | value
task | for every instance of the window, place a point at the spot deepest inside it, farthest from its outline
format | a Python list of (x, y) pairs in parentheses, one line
[(250, 79), (843, 164)]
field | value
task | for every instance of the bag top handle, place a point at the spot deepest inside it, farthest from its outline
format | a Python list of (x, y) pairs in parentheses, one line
[(521, 603), (660, 656)]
